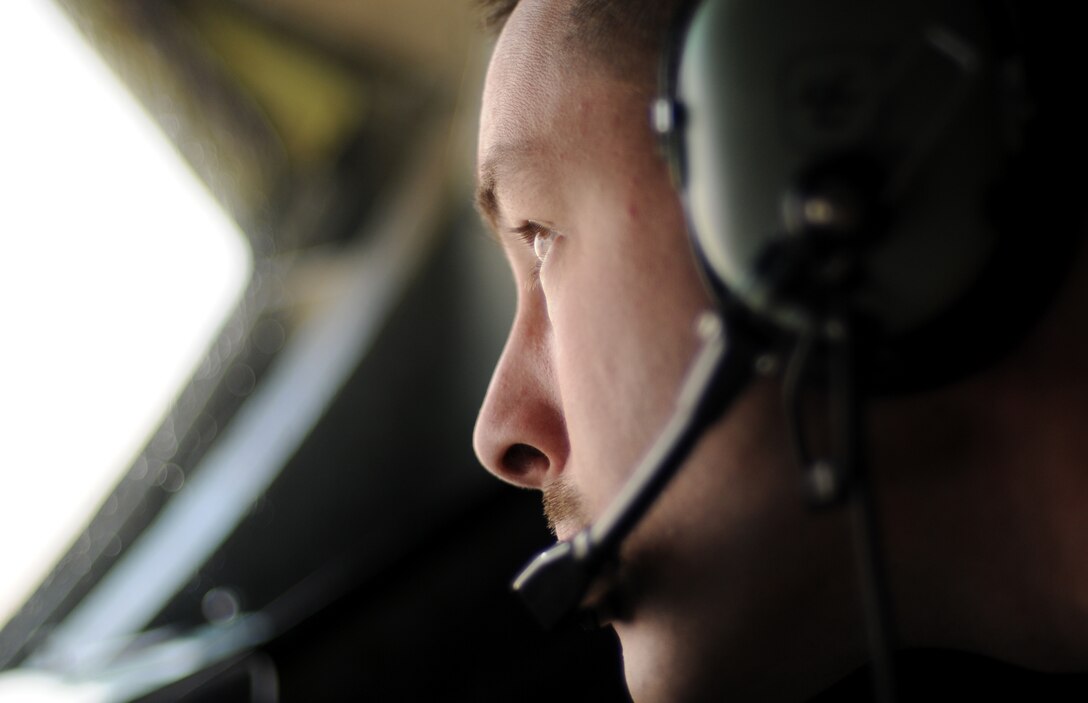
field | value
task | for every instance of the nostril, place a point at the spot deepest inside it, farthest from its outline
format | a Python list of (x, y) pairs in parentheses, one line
[(521, 459)]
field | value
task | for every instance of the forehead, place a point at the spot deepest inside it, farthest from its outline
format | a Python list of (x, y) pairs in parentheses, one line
[(543, 103), (526, 70)]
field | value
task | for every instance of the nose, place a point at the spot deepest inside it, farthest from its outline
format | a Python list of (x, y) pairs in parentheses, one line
[(521, 434)]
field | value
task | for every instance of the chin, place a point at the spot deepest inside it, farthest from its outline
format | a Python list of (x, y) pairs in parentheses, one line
[(642, 670), (673, 665), (656, 672)]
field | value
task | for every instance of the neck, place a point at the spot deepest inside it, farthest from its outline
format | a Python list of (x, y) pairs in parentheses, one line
[(984, 487)]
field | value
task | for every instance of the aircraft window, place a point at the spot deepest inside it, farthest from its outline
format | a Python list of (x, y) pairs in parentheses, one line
[(118, 270), (298, 508)]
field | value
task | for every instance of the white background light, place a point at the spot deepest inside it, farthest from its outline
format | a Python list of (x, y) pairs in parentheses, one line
[(117, 269)]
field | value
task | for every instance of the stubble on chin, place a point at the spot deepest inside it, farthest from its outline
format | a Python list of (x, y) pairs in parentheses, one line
[(563, 506)]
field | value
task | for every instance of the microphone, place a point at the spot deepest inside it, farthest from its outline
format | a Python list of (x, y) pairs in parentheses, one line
[(555, 584)]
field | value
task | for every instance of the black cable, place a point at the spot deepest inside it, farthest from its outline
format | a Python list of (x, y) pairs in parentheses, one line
[(848, 404)]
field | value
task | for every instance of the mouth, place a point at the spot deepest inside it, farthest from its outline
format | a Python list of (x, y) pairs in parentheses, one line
[(607, 602), (601, 602), (604, 602), (564, 532)]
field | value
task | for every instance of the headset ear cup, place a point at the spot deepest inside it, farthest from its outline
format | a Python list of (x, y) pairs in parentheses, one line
[(668, 115), (905, 121)]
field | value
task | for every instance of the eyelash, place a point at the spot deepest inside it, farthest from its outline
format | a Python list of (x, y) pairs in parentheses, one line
[(528, 233)]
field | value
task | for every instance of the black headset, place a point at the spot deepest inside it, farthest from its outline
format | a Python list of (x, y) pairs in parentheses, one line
[(892, 152), (878, 192)]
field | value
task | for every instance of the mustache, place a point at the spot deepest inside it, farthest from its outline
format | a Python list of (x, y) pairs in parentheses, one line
[(562, 504)]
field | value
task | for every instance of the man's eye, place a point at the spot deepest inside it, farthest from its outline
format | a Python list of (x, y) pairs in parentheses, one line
[(537, 236), (542, 243)]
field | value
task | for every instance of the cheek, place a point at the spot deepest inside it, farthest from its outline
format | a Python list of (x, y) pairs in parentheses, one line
[(622, 314)]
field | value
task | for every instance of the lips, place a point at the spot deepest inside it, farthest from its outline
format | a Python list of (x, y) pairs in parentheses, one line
[(564, 531)]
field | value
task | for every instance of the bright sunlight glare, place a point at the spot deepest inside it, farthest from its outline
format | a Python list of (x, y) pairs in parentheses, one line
[(117, 269)]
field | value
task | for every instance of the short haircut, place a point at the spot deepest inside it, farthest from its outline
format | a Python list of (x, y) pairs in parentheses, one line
[(625, 36), (495, 13)]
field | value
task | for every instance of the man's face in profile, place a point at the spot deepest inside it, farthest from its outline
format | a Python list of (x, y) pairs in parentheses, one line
[(719, 580)]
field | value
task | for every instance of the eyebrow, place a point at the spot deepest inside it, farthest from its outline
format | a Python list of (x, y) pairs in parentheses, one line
[(487, 201), (500, 159)]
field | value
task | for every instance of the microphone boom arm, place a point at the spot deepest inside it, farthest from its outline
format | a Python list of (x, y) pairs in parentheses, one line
[(555, 583)]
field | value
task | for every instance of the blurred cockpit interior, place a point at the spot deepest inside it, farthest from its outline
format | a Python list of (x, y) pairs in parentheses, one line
[(273, 497)]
